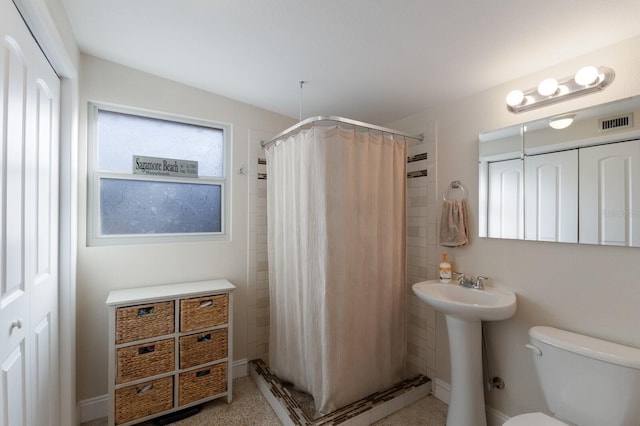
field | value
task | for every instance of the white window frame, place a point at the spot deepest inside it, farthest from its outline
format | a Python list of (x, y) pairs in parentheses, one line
[(94, 236)]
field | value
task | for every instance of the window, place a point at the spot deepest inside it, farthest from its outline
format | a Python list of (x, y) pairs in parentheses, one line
[(155, 178)]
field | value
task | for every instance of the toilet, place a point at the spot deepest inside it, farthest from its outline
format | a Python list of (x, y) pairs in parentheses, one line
[(585, 381)]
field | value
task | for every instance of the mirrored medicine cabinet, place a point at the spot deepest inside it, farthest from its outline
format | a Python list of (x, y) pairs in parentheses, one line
[(578, 184)]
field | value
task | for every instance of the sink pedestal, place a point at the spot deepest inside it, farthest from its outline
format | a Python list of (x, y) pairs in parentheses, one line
[(465, 309), (466, 405)]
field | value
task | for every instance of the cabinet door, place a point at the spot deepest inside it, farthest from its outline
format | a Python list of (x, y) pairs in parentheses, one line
[(505, 199), (610, 194), (551, 197)]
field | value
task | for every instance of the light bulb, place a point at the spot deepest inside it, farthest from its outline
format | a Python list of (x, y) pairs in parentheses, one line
[(587, 75), (548, 87), (561, 122), (515, 98)]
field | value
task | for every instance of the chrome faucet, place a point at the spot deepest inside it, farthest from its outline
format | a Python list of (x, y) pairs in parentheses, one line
[(468, 282)]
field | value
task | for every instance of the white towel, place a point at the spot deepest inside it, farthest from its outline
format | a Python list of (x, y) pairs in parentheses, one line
[(454, 228)]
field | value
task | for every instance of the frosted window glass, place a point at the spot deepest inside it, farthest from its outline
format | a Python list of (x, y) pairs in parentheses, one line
[(121, 136), (151, 207)]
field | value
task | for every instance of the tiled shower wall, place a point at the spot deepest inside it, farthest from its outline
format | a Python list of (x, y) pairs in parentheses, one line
[(421, 252), (257, 268)]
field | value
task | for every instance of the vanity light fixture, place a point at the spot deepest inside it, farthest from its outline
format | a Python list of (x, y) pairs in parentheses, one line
[(561, 122), (587, 80)]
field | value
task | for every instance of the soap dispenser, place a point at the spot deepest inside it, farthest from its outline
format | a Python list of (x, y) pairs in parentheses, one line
[(445, 269)]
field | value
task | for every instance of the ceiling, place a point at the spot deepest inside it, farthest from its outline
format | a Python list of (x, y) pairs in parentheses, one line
[(369, 60)]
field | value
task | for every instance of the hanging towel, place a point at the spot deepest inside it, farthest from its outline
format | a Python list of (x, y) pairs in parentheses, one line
[(454, 228)]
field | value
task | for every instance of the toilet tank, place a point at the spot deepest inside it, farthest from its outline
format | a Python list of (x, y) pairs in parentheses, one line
[(587, 381)]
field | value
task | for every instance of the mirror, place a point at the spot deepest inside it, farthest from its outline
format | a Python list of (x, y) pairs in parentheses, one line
[(576, 184)]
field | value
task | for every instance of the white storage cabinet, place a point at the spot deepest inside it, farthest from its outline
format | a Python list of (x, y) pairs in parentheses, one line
[(170, 348)]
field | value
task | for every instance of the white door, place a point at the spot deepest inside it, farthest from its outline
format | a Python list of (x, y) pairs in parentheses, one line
[(29, 108), (551, 196), (505, 199), (610, 194)]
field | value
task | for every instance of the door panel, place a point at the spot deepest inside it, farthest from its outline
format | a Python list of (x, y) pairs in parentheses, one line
[(46, 127), (42, 380), (13, 98), (43, 244), (13, 387)]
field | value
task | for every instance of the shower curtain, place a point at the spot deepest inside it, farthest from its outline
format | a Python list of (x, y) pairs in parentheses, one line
[(336, 250)]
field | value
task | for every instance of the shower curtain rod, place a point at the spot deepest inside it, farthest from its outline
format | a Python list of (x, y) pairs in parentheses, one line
[(356, 123)]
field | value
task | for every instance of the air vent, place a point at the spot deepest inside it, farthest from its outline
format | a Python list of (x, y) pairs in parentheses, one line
[(615, 123)]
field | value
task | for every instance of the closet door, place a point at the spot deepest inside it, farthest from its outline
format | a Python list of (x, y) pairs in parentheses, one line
[(610, 194), (551, 197), (29, 104)]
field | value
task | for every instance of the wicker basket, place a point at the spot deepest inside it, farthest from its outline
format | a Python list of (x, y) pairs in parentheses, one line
[(202, 383), (144, 321), (203, 312), (202, 348), (146, 360), (145, 399)]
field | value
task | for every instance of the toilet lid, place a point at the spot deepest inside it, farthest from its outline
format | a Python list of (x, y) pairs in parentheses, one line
[(533, 419)]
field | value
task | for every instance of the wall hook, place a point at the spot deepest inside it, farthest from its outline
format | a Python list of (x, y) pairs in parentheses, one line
[(242, 170)]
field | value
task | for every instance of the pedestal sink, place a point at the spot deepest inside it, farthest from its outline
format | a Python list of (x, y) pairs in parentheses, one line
[(465, 309)]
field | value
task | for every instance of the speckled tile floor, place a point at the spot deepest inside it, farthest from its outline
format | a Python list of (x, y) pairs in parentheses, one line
[(249, 408)]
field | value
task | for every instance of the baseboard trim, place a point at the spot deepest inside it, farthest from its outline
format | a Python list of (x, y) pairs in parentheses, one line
[(240, 368), (93, 408), (442, 391), (98, 407), (495, 417)]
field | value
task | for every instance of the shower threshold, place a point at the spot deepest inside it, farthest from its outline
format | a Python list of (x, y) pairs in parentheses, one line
[(296, 409)]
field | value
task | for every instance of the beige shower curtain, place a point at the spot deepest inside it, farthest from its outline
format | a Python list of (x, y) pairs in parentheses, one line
[(336, 244)]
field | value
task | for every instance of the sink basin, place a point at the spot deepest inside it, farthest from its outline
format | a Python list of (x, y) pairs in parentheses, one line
[(490, 304)]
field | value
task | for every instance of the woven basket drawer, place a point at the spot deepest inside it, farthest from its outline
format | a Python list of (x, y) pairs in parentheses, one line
[(146, 360), (144, 321), (203, 312), (202, 383), (145, 399), (202, 348)]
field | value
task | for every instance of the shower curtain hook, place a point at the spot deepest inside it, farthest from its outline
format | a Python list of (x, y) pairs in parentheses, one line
[(300, 103)]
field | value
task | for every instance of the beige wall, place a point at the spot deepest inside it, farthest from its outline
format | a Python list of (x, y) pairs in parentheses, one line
[(588, 289), (101, 269)]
